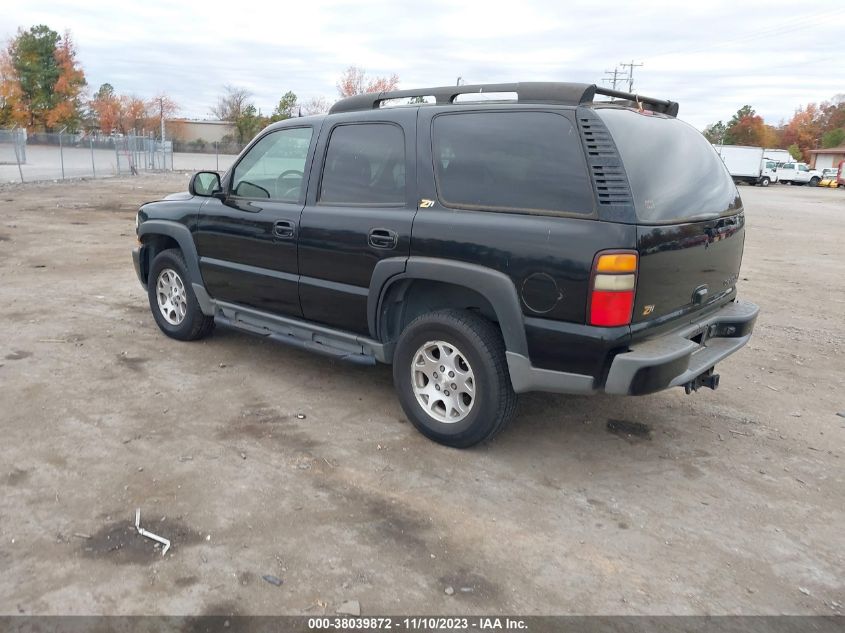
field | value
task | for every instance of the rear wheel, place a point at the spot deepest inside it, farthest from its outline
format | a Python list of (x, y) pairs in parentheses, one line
[(452, 379), (172, 300)]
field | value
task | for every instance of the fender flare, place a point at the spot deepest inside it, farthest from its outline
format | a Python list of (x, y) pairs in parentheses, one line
[(495, 286), (182, 235)]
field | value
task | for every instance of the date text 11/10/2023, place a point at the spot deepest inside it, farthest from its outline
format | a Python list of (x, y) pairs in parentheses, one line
[(418, 623)]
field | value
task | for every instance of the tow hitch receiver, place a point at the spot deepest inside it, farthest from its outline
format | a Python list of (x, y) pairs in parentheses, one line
[(708, 379)]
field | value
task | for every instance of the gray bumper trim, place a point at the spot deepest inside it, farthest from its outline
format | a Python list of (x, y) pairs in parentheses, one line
[(524, 378), (136, 260), (206, 303)]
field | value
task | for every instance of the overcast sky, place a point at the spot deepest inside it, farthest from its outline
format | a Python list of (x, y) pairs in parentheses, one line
[(712, 57)]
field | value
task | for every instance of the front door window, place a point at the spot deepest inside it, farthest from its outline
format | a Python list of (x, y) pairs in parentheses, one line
[(274, 167)]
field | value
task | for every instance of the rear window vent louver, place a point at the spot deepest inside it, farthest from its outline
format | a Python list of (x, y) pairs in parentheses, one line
[(613, 193), (598, 141), (611, 185)]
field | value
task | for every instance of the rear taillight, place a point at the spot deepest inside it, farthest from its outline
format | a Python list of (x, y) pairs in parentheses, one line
[(612, 287)]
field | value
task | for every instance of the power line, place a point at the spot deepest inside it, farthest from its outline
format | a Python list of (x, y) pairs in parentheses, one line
[(779, 28)]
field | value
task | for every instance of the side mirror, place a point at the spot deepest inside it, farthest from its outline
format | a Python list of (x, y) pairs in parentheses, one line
[(204, 183)]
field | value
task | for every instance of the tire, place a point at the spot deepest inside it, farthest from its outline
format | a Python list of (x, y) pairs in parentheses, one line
[(764, 182), (185, 320), (478, 351), (814, 182)]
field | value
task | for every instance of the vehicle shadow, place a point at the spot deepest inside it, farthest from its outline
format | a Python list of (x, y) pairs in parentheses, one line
[(541, 419)]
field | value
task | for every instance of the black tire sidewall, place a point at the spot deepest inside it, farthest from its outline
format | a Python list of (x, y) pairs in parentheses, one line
[(482, 418), (171, 259)]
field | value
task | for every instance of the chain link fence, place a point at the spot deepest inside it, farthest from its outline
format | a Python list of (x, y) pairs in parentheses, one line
[(222, 152), (13, 148), (30, 157)]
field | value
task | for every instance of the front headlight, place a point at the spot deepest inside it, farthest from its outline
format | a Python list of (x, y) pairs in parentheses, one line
[(137, 221)]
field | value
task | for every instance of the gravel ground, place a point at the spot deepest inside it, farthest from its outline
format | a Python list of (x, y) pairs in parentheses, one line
[(257, 460)]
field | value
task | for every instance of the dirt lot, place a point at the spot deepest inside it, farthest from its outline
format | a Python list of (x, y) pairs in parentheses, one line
[(256, 459)]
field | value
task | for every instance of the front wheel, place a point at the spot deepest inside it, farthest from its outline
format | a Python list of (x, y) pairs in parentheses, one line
[(172, 300), (764, 182), (814, 182), (452, 379)]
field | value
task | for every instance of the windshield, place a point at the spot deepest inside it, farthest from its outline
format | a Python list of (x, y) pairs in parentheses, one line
[(674, 173)]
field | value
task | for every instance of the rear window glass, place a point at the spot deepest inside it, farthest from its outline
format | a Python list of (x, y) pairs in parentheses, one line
[(510, 161), (674, 173)]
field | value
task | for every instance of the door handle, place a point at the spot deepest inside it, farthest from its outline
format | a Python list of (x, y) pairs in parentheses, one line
[(284, 229), (383, 238)]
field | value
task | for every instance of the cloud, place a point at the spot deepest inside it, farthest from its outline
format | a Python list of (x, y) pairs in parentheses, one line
[(705, 55)]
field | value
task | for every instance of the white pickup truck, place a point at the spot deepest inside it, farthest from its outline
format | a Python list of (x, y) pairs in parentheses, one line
[(798, 174)]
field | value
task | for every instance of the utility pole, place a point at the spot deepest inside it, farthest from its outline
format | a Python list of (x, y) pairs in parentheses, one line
[(631, 67), (612, 77), (163, 153), (161, 107)]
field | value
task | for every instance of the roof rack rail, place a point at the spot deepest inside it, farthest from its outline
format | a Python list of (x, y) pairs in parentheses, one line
[(527, 92)]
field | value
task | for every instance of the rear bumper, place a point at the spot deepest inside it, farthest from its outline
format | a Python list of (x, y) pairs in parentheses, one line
[(676, 358), (672, 359)]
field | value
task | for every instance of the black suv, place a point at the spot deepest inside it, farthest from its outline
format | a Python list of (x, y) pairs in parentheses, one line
[(541, 241)]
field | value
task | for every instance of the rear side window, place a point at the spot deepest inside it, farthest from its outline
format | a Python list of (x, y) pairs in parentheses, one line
[(510, 161), (365, 164), (674, 173)]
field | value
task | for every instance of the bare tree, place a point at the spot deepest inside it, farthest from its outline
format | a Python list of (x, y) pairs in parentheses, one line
[(354, 81), (160, 106), (315, 105), (351, 82), (232, 104)]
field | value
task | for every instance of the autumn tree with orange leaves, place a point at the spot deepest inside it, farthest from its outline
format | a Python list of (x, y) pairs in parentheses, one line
[(805, 129), (41, 81), (811, 127), (750, 129), (354, 81), (105, 108), (127, 113)]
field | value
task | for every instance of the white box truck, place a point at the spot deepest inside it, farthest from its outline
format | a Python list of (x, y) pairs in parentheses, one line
[(748, 164), (777, 155)]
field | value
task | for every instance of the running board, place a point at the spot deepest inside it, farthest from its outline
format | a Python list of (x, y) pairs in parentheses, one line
[(323, 340)]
